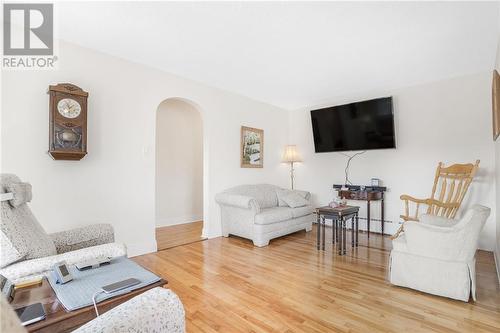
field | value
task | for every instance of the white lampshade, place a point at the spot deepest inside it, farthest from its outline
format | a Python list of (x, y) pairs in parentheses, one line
[(291, 154)]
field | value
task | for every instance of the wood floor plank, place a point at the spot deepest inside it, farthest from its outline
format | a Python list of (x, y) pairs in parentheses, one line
[(181, 234), (228, 285)]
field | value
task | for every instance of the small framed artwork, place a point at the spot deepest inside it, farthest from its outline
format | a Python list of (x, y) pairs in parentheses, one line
[(496, 104), (252, 147)]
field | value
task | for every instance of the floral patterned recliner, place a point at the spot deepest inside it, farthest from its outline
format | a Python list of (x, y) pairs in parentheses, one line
[(27, 251), (157, 310)]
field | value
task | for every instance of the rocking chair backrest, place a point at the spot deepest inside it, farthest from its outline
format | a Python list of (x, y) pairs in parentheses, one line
[(450, 186)]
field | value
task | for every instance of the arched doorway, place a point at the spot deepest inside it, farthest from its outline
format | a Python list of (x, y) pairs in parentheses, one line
[(178, 173)]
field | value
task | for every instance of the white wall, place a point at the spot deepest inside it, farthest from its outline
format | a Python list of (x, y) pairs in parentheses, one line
[(179, 163), (115, 182), (497, 177), (448, 121)]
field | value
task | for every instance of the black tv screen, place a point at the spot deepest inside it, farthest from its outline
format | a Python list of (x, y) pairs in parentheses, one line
[(355, 126)]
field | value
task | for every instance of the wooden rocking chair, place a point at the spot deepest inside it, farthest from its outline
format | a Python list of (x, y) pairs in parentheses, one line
[(450, 186)]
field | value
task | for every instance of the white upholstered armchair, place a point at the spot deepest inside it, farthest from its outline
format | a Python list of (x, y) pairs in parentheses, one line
[(437, 255)]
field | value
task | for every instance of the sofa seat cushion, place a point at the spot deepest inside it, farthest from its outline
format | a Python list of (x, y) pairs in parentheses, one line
[(399, 244), (302, 211), (273, 215)]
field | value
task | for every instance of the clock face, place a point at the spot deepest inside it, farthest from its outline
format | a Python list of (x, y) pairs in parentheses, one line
[(69, 108)]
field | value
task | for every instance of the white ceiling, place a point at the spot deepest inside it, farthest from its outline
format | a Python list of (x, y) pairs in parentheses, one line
[(292, 54)]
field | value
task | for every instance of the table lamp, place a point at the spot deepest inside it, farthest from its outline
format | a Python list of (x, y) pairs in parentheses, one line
[(291, 155)]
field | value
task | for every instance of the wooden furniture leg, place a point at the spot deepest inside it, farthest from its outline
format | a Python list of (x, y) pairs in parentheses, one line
[(339, 236), (324, 232), (318, 231), (368, 216), (382, 212), (357, 229), (334, 222), (352, 231), (344, 228)]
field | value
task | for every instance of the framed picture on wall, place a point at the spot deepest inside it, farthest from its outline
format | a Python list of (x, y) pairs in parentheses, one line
[(252, 147), (496, 104)]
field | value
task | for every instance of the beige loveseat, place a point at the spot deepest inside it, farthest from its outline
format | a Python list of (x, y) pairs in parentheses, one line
[(260, 213)]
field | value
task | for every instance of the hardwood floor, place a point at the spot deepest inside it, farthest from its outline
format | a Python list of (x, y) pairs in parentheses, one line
[(181, 234), (228, 285)]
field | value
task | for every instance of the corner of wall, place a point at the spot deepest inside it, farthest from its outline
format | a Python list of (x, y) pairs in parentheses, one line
[(137, 249)]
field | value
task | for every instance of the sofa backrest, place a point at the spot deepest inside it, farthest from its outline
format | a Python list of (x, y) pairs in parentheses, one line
[(265, 194)]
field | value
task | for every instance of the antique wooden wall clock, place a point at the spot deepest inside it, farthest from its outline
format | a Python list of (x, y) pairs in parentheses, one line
[(68, 122)]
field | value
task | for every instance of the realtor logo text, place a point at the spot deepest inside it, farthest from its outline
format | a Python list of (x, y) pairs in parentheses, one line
[(28, 36)]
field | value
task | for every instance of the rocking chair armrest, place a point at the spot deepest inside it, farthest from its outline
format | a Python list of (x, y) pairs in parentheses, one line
[(415, 200), (429, 201), (433, 204)]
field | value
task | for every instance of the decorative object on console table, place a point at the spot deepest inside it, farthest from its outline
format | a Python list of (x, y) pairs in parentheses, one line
[(369, 194), (67, 122), (291, 155), (252, 147), (376, 182), (496, 104)]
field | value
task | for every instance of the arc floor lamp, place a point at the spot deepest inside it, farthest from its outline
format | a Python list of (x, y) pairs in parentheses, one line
[(291, 155)]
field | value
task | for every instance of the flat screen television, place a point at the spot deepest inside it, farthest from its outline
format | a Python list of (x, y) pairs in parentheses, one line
[(356, 126)]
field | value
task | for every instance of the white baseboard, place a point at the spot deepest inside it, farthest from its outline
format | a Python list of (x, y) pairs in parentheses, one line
[(137, 249), (497, 264), (169, 221)]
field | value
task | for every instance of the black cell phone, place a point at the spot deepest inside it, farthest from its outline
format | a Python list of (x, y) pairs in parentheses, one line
[(31, 314), (111, 288)]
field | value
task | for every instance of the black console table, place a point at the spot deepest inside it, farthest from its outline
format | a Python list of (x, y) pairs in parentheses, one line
[(369, 194)]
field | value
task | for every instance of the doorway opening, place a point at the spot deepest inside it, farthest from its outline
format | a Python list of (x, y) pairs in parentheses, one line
[(179, 174)]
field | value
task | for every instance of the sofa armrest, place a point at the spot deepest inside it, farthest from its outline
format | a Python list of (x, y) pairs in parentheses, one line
[(445, 243), (83, 237), (237, 200), (156, 310)]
